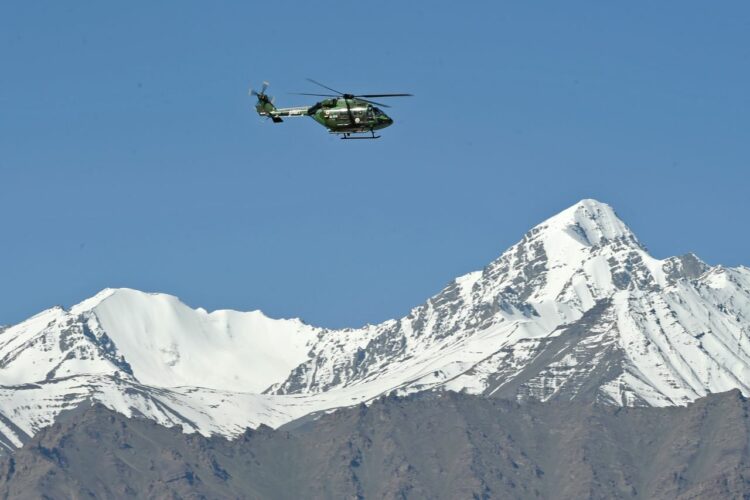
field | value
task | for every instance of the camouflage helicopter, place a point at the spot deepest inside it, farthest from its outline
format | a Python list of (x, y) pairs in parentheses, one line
[(342, 113)]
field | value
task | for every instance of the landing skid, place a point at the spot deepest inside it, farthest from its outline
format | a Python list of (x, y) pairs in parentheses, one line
[(347, 135)]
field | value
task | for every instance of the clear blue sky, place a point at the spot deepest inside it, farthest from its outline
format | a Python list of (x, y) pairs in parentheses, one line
[(130, 154)]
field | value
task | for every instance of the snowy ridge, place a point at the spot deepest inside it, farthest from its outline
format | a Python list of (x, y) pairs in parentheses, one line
[(577, 309)]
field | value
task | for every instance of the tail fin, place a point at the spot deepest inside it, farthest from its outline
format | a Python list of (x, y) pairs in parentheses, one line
[(265, 106)]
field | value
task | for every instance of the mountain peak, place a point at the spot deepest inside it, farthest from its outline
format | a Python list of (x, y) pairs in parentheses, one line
[(589, 221), (91, 302)]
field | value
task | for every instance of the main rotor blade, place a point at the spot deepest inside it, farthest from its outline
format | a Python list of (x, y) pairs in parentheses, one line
[(317, 95), (372, 102), (384, 95), (324, 86)]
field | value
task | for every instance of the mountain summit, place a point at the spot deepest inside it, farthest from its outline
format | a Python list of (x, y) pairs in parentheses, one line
[(591, 221), (576, 310)]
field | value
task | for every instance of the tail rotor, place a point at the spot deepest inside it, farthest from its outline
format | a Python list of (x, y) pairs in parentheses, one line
[(265, 105), (262, 94)]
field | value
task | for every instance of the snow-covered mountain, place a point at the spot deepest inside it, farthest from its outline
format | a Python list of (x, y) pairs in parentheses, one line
[(577, 309)]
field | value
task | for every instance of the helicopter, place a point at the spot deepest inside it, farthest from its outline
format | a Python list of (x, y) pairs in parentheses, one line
[(341, 113)]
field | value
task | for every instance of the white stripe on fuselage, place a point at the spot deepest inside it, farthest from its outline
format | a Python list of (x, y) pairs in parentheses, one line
[(298, 111)]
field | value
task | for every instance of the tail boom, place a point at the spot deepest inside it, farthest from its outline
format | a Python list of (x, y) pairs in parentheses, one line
[(265, 107)]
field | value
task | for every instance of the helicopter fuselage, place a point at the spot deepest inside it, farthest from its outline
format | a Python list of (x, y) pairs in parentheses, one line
[(339, 115), (347, 116)]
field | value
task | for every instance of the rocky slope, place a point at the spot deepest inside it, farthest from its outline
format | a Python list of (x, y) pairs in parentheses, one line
[(577, 310), (434, 446)]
